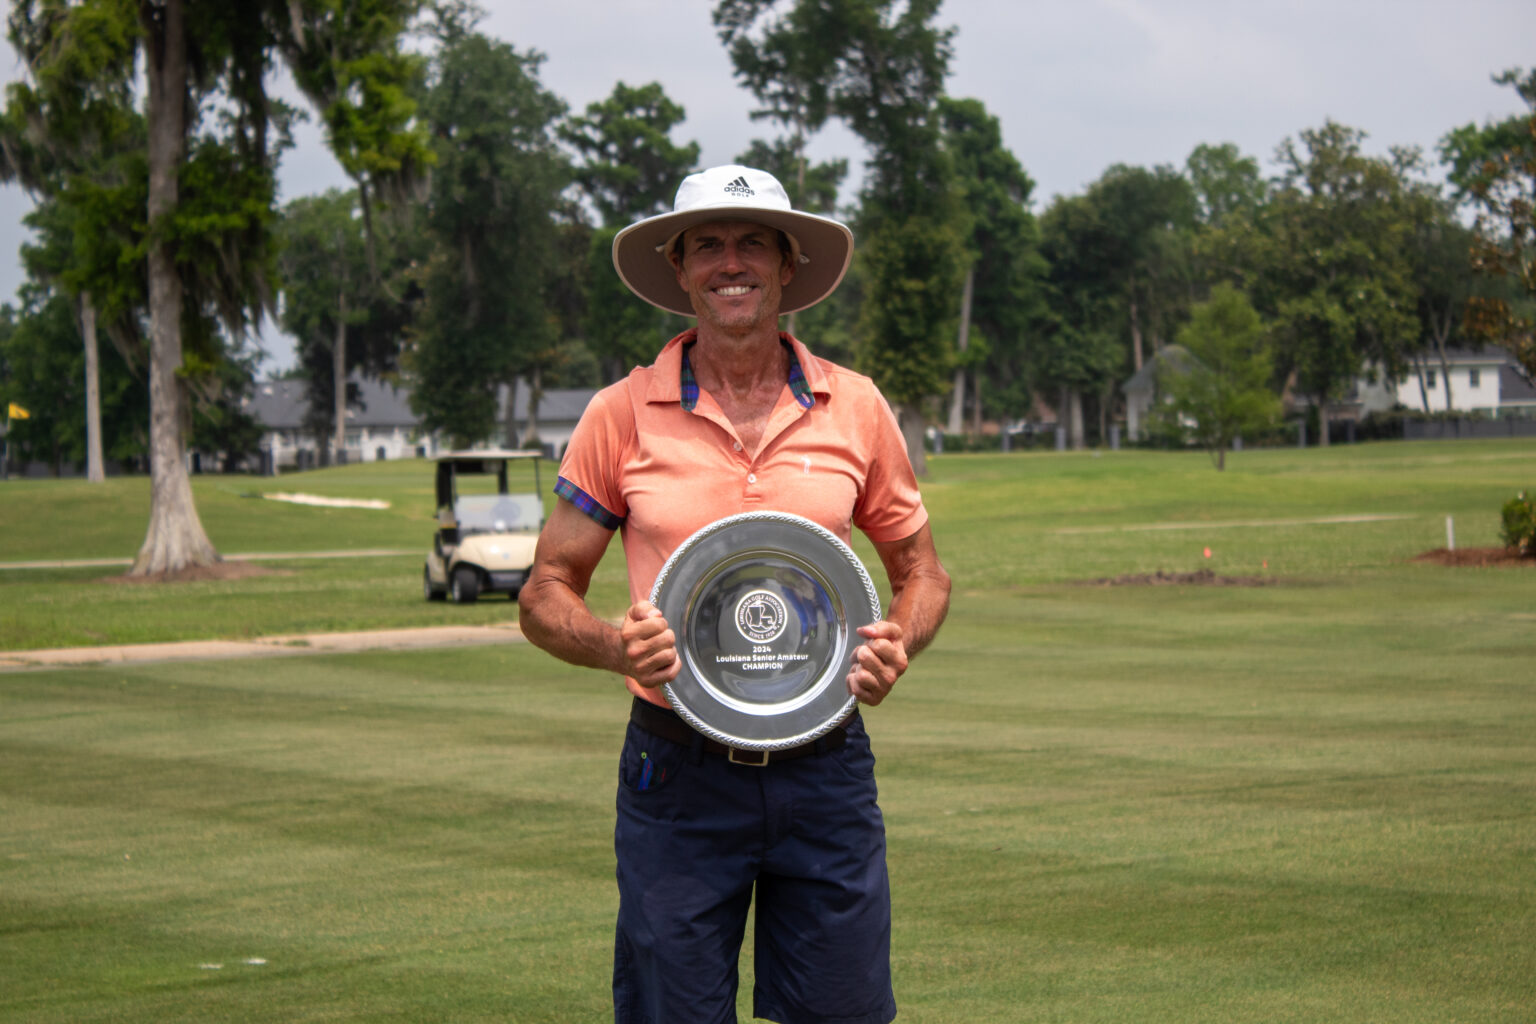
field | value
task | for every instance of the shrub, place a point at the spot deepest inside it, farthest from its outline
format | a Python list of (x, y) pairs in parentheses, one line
[(1520, 524)]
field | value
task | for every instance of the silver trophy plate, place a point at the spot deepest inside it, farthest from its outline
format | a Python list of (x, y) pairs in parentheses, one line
[(766, 608)]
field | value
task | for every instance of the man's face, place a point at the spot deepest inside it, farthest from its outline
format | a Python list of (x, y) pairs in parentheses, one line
[(734, 273)]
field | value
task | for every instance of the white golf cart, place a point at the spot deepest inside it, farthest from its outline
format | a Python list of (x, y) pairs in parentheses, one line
[(485, 539)]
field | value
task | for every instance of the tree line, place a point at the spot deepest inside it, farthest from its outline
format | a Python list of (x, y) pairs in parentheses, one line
[(471, 249)]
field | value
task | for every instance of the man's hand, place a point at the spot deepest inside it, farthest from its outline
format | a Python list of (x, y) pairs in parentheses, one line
[(878, 663), (650, 647)]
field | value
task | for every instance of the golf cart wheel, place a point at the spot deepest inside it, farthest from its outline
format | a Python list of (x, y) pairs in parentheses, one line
[(428, 591), (466, 585)]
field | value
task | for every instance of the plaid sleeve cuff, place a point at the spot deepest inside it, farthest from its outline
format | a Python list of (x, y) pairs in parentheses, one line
[(587, 504)]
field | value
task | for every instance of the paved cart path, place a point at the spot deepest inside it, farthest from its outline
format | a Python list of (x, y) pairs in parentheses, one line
[(264, 647)]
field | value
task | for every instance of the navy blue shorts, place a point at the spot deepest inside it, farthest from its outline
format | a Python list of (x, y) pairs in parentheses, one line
[(696, 835)]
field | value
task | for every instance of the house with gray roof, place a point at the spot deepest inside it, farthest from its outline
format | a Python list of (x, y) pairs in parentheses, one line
[(1141, 390), (381, 424), (1484, 380)]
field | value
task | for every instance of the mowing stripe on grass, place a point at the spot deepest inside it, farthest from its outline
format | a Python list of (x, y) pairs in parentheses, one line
[(1312, 521)]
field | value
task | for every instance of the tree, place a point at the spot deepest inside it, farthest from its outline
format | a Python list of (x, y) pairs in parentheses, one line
[(1335, 263), (345, 55), (1226, 184), (1221, 391), (1149, 217), (783, 60), (344, 315), (42, 370), (1230, 198), (485, 316), (1120, 280), (73, 140), (1080, 343), (212, 140), (1003, 294), (1494, 171), (1443, 280), (890, 79), (629, 164)]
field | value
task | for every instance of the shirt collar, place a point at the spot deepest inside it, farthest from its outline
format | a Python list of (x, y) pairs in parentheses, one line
[(674, 381)]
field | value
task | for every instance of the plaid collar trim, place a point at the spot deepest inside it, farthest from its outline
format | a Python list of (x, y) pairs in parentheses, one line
[(688, 384)]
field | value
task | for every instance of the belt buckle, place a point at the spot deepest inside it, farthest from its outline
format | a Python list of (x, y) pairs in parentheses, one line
[(732, 752)]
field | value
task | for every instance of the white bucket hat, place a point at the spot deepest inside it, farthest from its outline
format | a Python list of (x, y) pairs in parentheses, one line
[(821, 247)]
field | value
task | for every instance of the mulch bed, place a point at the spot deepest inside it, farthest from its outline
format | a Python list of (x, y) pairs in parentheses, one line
[(1204, 577), (1478, 557)]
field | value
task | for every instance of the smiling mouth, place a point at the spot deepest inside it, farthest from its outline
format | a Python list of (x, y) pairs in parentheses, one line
[(731, 291)]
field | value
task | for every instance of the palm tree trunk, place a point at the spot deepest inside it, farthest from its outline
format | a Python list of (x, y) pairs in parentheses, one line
[(1136, 356), (535, 396), (1445, 374), (976, 404), (339, 375), (95, 470), (175, 539), (962, 342), (910, 420)]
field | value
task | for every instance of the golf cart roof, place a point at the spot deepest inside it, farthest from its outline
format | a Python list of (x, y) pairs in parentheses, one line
[(492, 462)]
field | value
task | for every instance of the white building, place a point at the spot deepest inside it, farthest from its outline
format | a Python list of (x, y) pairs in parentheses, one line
[(381, 424), (1486, 381)]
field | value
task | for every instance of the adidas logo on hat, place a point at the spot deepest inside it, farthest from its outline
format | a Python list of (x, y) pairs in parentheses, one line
[(739, 187)]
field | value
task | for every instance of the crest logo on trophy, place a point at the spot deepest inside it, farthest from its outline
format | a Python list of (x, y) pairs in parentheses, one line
[(761, 616)]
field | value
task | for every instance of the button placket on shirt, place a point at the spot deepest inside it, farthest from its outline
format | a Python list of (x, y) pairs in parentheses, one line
[(750, 464), (782, 417)]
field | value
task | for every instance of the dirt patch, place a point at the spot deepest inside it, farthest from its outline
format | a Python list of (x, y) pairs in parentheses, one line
[(1477, 557), (1204, 577), (218, 572)]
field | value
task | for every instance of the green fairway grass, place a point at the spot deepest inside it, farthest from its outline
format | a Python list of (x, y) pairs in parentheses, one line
[(1000, 520), (1293, 803), (1309, 798)]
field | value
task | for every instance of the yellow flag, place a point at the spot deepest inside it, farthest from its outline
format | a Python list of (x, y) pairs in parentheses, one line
[(18, 413)]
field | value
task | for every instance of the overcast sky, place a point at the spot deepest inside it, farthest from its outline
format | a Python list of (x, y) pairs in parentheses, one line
[(1077, 85)]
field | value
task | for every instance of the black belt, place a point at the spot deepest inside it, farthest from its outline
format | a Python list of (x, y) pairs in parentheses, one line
[(663, 722)]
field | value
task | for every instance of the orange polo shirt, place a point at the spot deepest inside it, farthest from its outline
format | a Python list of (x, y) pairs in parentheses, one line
[(654, 457)]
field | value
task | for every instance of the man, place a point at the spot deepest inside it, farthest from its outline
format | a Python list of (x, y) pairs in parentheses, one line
[(735, 416)]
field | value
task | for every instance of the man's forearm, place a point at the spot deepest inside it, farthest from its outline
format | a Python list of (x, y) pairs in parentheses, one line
[(557, 620), (920, 607), (919, 588)]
